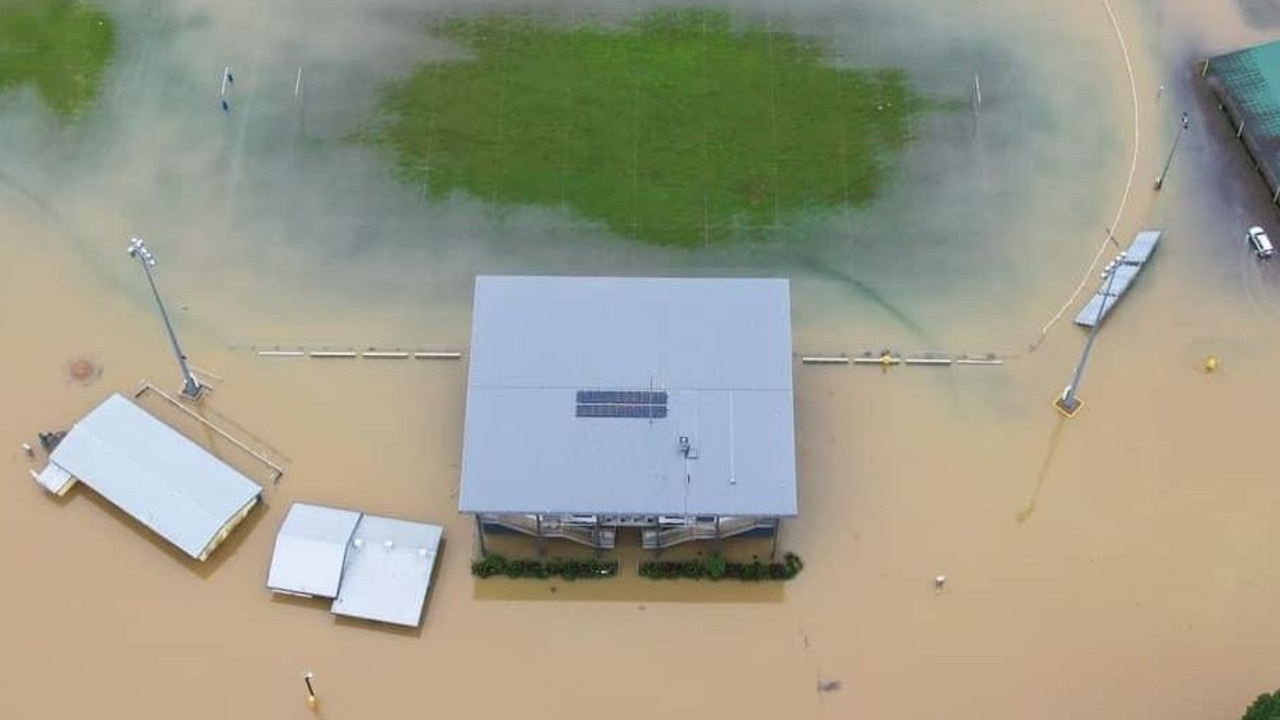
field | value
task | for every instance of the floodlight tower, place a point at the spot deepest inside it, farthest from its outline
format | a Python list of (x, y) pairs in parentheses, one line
[(191, 387), (1067, 403)]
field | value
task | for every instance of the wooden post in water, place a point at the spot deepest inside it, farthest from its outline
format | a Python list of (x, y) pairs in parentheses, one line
[(311, 694)]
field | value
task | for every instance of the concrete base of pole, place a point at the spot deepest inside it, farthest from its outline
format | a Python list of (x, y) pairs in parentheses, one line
[(1068, 407), (192, 391)]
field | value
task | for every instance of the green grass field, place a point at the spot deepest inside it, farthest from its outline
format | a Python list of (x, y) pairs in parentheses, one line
[(58, 46), (678, 128)]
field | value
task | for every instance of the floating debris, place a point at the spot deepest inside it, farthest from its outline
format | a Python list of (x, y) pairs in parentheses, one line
[(826, 686), (50, 440)]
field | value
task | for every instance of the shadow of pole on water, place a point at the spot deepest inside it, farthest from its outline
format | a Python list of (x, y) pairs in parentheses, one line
[(1054, 438), (862, 289)]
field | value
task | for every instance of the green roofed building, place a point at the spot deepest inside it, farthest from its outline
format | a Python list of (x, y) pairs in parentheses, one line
[(1247, 83)]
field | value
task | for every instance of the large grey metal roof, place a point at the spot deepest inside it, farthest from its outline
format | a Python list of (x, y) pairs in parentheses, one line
[(310, 550), (155, 474), (719, 348), (388, 570)]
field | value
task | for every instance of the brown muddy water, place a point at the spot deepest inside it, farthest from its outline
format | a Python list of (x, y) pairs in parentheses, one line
[(1117, 565)]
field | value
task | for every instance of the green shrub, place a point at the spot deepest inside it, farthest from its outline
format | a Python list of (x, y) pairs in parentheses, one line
[(716, 567), (495, 564), (1265, 707)]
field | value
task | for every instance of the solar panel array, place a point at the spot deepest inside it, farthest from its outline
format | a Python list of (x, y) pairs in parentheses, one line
[(645, 404), (651, 412), (622, 397)]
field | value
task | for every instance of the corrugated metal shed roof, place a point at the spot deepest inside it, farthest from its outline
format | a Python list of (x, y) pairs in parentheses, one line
[(388, 570), (1248, 84), (719, 348), (310, 550), (1253, 77), (1096, 310), (1115, 284), (1124, 274), (55, 479), (1142, 247), (155, 474)]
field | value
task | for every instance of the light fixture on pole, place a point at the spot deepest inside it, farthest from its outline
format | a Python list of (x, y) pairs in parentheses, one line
[(1068, 403), (191, 387), (1186, 122)]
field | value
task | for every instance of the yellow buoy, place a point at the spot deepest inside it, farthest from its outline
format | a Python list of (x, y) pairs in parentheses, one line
[(311, 701), (1210, 364)]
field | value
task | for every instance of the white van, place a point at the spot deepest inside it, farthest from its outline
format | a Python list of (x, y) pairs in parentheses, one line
[(1260, 242)]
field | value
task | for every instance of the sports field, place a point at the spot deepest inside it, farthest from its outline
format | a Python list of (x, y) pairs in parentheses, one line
[(57, 47), (674, 127)]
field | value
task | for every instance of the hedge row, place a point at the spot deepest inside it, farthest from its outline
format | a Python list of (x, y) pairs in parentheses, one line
[(716, 567), (543, 569)]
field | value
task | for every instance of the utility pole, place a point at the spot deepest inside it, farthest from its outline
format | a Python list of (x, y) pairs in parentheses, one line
[(191, 387), (1068, 403), (1186, 122)]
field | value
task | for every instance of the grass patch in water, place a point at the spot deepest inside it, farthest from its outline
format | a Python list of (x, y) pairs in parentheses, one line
[(676, 129), (58, 46)]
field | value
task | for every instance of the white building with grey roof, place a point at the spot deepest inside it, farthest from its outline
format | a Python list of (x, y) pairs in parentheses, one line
[(158, 476), (600, 403)]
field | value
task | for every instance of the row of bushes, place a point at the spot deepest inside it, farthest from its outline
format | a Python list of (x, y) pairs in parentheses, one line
[(716, 567), (544, 569)]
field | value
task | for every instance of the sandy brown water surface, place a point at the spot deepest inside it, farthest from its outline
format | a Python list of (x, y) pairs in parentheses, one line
[(1117, 565)]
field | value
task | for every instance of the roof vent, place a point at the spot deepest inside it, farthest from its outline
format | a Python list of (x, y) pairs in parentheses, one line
[(687, 449)]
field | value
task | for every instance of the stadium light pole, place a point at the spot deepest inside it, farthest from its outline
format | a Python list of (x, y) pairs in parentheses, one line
[(1068, 403), (191, 387), (1186, 122)]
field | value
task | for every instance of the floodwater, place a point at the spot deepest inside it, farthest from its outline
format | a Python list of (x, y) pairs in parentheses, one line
[(1115, 565)]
